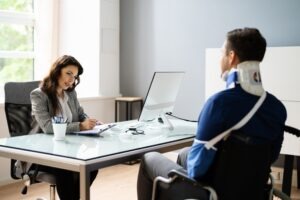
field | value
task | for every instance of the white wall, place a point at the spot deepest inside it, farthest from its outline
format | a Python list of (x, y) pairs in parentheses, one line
[(109, 73), (90, 33), (79, 36), (5, 163)]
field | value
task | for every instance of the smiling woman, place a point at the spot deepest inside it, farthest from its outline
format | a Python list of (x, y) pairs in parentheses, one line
[(56, 98)]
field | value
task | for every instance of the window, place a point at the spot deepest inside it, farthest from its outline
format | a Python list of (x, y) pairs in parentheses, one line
[(33, 33), (17, 26)]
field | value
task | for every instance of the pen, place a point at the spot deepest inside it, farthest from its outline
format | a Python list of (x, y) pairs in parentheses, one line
[(98, 123), (87, 117), (58, 120)]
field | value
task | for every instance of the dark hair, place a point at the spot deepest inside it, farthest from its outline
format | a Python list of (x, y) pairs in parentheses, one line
[(50, 82), (247, 43)]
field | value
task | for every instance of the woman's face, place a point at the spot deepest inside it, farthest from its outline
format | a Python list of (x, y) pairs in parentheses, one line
[(67, 77)]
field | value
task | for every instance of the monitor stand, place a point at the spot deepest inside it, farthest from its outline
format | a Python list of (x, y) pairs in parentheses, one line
[(164, 120), (161, 121)]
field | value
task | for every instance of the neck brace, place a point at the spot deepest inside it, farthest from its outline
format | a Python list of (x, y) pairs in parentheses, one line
[(247, 75)]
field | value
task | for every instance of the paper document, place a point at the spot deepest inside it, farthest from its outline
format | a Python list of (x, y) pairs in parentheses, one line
[(96, 130)]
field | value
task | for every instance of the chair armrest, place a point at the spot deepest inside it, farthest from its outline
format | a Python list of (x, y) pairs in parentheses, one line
[(181, 173), (292, 130)]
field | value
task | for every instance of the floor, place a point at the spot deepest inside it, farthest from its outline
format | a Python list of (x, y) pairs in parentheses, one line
[(116, 182)]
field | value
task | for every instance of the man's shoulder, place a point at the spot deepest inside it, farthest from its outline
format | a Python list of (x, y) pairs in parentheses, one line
[(224, 95), (275, 102), (273, 97)]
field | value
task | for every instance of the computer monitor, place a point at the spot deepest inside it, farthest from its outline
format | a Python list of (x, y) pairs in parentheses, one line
[(161, 96)]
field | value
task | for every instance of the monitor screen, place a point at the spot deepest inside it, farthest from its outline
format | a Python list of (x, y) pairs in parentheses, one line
[(161, 96)]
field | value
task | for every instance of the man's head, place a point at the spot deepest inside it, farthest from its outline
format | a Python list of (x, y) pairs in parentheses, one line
[(241, 45)]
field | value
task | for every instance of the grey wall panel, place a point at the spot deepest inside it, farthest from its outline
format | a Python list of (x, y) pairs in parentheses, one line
[(172, 35)]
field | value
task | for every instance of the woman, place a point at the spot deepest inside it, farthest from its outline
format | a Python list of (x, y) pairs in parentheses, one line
[(56, 96)]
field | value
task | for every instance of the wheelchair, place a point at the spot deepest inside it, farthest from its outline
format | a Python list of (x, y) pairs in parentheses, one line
[(241, 171)]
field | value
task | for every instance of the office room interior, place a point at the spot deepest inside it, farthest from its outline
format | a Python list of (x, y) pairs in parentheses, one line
[(121, 43)]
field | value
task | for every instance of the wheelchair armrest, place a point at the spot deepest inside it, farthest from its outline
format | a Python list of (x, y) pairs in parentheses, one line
[(181, 173), (292, 130)]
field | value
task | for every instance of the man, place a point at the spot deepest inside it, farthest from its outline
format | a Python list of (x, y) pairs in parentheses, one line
[(242, 52)]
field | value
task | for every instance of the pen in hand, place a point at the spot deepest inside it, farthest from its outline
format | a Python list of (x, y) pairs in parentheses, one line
[(97, 123), (85, 116)]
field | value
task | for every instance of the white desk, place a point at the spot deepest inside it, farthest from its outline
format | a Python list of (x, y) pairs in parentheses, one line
[(291, 151), (85, 154), (290, 145)]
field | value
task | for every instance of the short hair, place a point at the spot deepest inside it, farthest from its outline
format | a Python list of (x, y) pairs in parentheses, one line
[(247, 43)]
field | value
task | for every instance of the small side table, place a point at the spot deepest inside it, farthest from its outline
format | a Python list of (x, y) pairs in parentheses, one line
[(129, 101)]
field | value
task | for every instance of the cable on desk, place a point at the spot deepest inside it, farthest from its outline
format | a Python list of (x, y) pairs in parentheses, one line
[(170, 114)]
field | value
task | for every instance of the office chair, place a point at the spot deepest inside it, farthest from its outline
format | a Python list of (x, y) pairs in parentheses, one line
[(20, 122), (241, 170)]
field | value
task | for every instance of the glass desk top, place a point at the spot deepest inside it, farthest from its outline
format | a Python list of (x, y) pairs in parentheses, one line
[(110, 142)]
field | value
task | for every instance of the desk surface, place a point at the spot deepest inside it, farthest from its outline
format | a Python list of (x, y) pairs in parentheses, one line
[(85, 154), (111, 142), (86, 148), (290, 145)]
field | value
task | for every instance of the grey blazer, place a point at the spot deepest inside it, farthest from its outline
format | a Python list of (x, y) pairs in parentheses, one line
[(42, 110)]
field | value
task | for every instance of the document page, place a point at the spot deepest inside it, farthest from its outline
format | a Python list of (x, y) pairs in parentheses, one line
[(96, 130)]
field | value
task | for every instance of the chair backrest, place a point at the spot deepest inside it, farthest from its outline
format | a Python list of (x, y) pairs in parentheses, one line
[(18, 111), (241, 168), (18, 107)]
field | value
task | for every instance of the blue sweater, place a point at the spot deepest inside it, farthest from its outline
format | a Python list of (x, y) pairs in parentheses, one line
[(225, 109)]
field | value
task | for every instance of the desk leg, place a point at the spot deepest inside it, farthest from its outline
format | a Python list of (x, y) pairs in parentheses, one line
[(287, 174), (127, 112), (116, 111), (298, 171), (84, 183), (130, 111)]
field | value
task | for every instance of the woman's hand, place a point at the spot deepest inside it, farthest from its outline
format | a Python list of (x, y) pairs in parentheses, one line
[(87, 124)]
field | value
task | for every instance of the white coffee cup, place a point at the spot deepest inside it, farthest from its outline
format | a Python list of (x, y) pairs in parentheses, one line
[(59, 130)]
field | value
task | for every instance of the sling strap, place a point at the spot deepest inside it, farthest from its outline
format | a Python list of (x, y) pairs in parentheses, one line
[(240, 124)]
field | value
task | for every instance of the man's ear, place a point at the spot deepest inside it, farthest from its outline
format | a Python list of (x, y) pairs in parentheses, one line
[(233, 59)]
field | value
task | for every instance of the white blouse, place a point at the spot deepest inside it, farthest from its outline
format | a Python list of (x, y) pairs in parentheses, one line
[(66, 112)]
